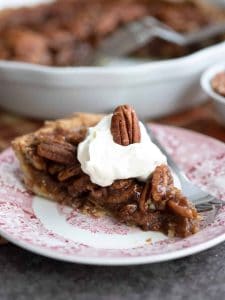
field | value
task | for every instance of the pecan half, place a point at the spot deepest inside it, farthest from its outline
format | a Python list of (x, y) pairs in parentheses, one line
[(162, 182), (120, 185), (69, 172), (120, 191), (179, 204), (145, 196), (164, 193), (55, 168), (81, 185), (37, 161), (76, 136), (59, 152), (155, 192), (125, 127)]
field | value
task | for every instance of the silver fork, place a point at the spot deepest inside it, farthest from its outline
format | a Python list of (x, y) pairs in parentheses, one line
[(138, 33), (202, 200)]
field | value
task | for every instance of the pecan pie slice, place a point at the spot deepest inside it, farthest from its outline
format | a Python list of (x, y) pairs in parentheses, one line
[(48, 159)]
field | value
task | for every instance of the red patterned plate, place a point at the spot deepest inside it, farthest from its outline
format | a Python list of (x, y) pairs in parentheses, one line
[(46, 228)]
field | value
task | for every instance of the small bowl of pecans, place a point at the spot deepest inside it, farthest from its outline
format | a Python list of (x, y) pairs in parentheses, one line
[(213, 83)]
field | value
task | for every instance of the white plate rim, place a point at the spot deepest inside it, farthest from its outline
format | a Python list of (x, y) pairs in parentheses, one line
[(117, 261)]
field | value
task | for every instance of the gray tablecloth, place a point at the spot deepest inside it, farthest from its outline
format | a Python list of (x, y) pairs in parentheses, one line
[(24, 275)]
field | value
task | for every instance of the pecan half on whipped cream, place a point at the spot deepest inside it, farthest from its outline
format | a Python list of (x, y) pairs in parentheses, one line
[(118, 147), (125, 127)]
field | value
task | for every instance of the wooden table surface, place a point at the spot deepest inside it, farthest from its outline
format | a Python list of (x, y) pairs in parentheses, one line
[(202, 119)]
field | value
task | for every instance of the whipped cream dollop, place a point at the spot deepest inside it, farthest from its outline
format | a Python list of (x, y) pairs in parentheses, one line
[(106, 161)]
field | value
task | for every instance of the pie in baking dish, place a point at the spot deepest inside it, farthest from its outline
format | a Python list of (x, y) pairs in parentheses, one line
[(67, 32)]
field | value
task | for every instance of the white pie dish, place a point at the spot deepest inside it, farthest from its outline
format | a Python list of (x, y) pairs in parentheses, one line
[(153, 88)]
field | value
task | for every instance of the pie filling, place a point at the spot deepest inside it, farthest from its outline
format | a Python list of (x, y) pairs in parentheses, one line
[(66, 32), (51, 169)]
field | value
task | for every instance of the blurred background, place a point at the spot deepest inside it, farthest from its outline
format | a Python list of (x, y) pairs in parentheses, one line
[(48, 63), (80, 55)]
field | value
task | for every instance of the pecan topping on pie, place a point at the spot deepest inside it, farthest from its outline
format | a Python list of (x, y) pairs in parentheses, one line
[(69, 172), (160, 193), (180, 205), (68, 32), (51, 169), (125, 127), (56, 151), (156, 189), (145, 196), (37, 161), (162, 182)]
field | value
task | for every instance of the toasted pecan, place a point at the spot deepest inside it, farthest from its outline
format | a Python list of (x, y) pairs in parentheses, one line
[(145, 196), (69, 172), (59, 152), (76, 136), (180, 205), (55, 168), (81, 185), (160, 191), (125, 127), (162, 182), (35, 160)]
